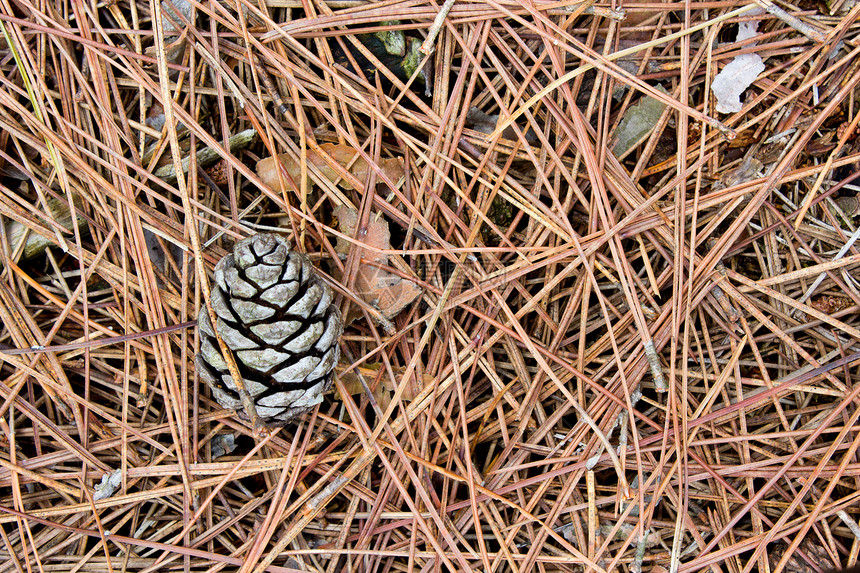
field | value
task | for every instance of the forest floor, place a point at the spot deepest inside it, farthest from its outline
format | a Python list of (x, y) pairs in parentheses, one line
[(598, 266)]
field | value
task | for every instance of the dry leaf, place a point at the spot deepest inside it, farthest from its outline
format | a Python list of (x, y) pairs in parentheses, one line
[(748, 170), (746, 138), (412, 387), (174, 29), (849, 205), (738, 75), (813, 550), (639, 120), (344, 155), (486, 123), (223, 444), (353, 386), (386, 291), (386, 388)]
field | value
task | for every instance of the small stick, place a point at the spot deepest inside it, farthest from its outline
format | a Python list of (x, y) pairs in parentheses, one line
[(208, 156), (731, 312), (593, 523), (656, 366), (427, 47), (639, 556), (617, 14), (269, 85), (793, 21), (144, 380)]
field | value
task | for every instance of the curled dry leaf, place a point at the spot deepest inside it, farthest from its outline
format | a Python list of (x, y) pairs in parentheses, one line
[(386, 291), (346, 156), (738, 75), (223, 444)]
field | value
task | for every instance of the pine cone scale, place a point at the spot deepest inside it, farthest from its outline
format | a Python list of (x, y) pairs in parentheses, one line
[(295, 373), (276, 332), (264, 276), (236, 340), (237, 285), (251, 311), (279, 295)]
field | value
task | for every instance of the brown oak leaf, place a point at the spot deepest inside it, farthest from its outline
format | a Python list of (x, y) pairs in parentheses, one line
[(346, 156), (385, 290), (386, 388)]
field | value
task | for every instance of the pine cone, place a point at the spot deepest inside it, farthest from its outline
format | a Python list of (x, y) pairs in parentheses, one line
[(277, 317)]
